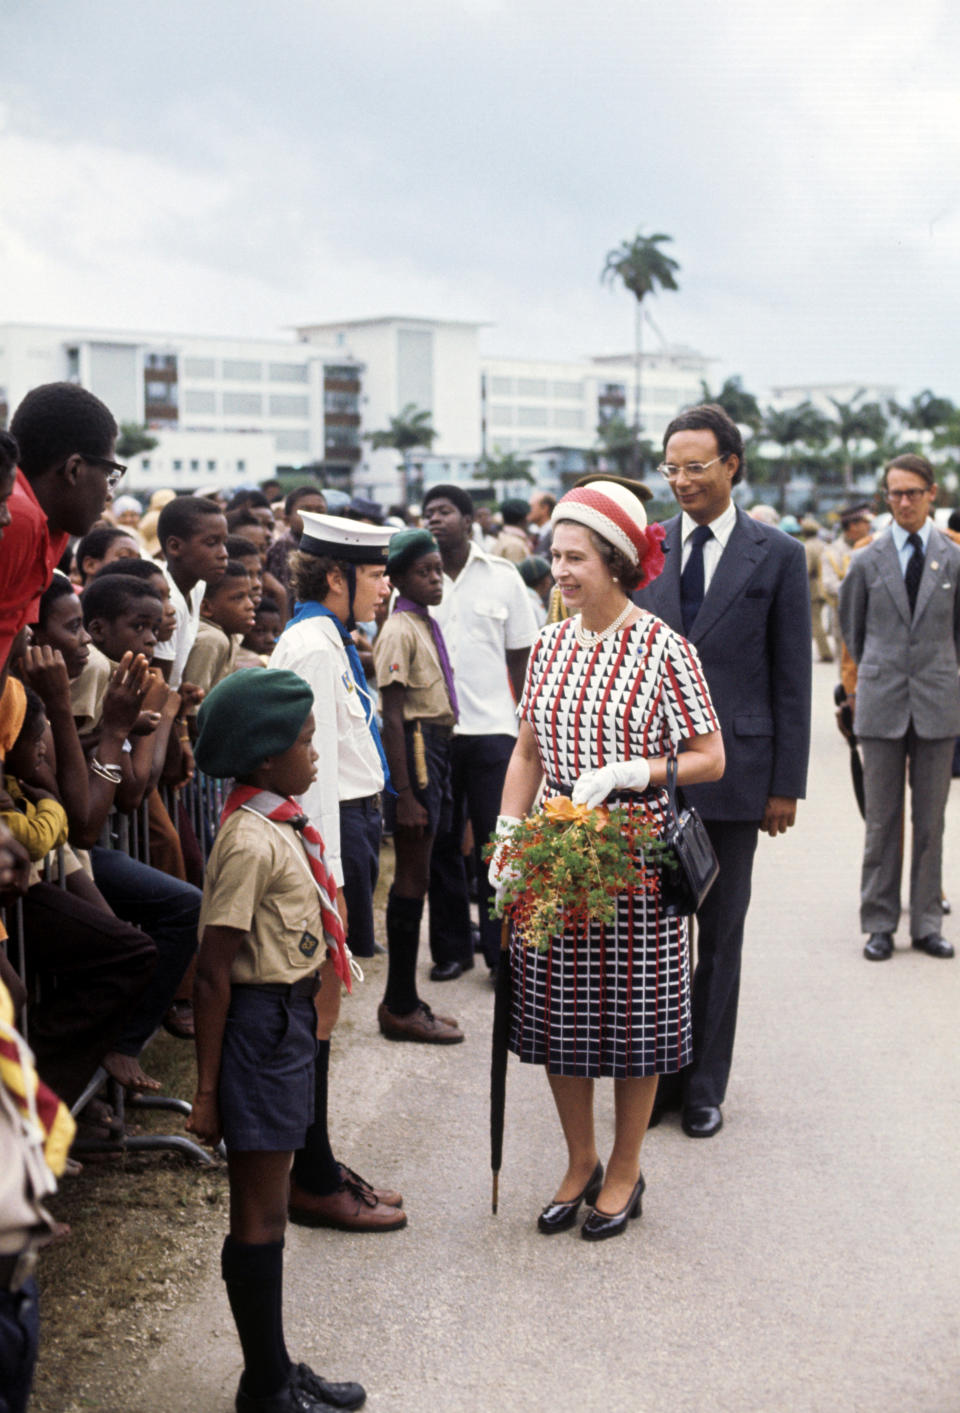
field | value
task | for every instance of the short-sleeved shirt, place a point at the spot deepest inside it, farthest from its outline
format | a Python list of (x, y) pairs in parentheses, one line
[(485, 613), (258, 880), (89, 689), (176, 649), (28, 556), (212, 657), (405, 652)]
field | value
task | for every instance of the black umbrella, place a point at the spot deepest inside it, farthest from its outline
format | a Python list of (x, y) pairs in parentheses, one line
[(498, 1059), (845, 723)]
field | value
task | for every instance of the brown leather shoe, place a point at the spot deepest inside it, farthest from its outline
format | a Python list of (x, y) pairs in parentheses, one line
[(350, 1208), (384, 1195), (420, 1024)]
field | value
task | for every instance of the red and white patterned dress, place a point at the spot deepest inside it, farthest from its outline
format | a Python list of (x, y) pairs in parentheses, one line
[(610, 1001)]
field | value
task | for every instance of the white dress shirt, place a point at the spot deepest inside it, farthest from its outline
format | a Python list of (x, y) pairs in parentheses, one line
[(176, 649), (905, 550), (722, 529), (485, 613), (349, 766)]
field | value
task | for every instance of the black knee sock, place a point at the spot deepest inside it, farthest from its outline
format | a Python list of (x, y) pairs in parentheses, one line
[(254, 1280), (403, 941), (314, 1166)]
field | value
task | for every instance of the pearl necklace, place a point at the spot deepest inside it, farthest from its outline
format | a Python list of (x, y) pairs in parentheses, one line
[(588, 639)]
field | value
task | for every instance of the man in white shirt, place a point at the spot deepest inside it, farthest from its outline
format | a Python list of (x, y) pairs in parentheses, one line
[(489, 627), (900, 617), (337, 578)]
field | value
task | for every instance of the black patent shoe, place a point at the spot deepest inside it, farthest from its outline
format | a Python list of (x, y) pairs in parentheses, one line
[(560, 1216), (340, 1395), (290, 1399), (599, 1225)]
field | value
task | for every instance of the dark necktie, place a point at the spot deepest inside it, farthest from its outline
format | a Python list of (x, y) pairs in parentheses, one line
[(691, 580), (914, 570)]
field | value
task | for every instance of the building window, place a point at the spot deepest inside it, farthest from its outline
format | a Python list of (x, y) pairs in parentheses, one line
[(177, 465), (292, 441), (161, 392), (241, 370), (289, 405), (73, 365), (341, 373), (241, 465), (248, 403), (568, 418), (341, 402), (145, 463), (199, 368), (197, 401), (287, 372), (532, 387), (194, 466), (166, 361), (501, 387), (531, 416), (573, 392), (211, 466), (501, 415)]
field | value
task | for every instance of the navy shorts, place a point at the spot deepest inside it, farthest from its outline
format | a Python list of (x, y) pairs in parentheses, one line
[(266, 1069)]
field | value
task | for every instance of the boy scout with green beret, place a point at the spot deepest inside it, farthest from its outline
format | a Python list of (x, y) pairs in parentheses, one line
[(269, 915)]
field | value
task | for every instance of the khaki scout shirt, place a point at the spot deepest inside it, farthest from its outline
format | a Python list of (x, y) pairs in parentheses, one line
[(258, 880), (89, 689), (212, 657), (405, 652)]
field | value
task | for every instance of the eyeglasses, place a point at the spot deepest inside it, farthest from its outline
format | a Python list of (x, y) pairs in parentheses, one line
[(669, 472), (916, 494), (114, 475)]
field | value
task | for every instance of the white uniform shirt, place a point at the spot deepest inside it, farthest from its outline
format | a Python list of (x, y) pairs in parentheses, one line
[(349, 766), (485, 611), (722, 529), (177, 648)]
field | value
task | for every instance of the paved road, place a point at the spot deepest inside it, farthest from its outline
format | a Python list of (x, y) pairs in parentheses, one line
[(807, 1258)]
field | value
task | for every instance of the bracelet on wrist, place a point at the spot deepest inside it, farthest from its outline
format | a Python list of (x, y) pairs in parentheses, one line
[(113, 773)]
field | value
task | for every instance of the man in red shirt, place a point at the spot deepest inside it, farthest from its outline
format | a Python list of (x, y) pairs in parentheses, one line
[(66, 440)]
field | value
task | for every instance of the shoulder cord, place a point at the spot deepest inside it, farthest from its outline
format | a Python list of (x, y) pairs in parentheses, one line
[(355, 968)]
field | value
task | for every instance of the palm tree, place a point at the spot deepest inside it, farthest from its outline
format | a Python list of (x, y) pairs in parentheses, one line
[(506, 466), (736, 401), (133, 439), (790, 428), (642, 267), (856, 421), (618, 443), (410, 428)]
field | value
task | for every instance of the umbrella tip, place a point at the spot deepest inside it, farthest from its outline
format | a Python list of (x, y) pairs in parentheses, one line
[(495, 1200)]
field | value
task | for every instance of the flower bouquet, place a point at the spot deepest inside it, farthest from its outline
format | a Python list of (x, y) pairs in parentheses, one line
[(570, 862)]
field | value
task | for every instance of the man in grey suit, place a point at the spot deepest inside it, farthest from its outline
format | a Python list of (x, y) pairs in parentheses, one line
[(900, 619), (738, 590)]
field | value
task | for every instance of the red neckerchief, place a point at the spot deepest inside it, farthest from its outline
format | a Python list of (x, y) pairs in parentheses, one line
[(287, 811)]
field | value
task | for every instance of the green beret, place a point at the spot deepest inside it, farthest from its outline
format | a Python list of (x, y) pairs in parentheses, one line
[(533, 569), (252, 714), (406, 546)]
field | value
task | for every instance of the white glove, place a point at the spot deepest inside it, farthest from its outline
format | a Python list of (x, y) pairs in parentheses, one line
[(501, 871), (593, 786)]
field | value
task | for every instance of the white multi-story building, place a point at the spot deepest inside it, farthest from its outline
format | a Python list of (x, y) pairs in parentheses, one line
[(430, 364), (225, 410)]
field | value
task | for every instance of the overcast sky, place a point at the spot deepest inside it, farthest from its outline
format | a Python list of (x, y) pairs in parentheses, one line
[(237, 168)]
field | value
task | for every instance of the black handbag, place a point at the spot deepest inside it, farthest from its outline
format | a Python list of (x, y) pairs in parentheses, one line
[(689, 871)]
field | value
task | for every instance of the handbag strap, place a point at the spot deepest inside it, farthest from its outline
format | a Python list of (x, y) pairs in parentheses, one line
[(672, 787)]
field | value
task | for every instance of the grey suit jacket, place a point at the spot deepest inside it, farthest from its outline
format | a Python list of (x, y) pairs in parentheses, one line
[(907, 668), (753, 637)]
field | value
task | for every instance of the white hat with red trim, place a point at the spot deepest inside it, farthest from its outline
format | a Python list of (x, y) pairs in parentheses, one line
[(612, 511)]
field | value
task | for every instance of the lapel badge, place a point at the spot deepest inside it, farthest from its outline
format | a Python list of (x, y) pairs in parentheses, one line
[(934, 564)]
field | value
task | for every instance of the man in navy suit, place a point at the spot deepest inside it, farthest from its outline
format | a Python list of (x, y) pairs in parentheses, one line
[(738, 590)]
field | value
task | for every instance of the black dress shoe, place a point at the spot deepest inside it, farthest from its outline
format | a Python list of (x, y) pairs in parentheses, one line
[(599, 1225), (558, 1216), (879, 947), (702, 1122), (446, 971), (290, 1399), (934, 945), (346, 1395)]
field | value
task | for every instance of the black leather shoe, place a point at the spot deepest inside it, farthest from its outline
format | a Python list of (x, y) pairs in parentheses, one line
[(702, 1122), (879, 947), (559, 1216), (446, 971), (348, 1395), (599, 1225), (934, 945), (290, 1399)]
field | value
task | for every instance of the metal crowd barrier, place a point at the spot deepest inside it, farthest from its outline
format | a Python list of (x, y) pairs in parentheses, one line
[(202, 801)]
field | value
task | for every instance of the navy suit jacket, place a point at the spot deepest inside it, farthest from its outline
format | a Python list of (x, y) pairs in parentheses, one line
[(753, 636)]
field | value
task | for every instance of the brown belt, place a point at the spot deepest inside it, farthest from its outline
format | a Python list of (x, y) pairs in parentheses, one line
[(363, 802)]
